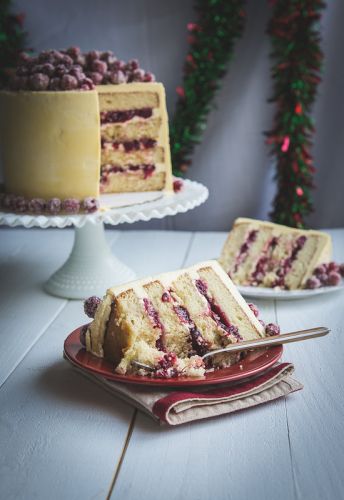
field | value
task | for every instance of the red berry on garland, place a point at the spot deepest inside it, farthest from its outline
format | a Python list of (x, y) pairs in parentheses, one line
[(180, 91), (299, 191), (298, 108), (285, 144)]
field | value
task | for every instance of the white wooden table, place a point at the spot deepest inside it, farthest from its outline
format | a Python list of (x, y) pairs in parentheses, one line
[(62, 437)]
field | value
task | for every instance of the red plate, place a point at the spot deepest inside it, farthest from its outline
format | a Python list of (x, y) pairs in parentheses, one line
[(255, 362)]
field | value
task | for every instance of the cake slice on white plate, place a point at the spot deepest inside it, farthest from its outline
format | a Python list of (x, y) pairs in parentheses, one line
[(170, 320), (260, 253)]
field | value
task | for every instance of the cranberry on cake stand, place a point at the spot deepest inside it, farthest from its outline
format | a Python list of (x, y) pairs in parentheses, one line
[(91, 266)]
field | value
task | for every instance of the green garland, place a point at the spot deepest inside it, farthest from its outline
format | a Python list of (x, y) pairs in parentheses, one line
[(220, 23), (297, 58), (12, 40)]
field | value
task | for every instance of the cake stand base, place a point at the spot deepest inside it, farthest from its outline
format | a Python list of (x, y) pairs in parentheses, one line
[(91, 267)]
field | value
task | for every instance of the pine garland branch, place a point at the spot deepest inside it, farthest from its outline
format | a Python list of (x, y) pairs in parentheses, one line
[(12, 40), (220, 24), (297, 62)]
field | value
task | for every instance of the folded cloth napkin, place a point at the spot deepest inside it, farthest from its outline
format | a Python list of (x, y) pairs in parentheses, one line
[(174, 407)]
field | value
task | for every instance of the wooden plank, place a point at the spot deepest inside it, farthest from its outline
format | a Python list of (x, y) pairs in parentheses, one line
[(60, 429), (62, 434), (27, 258), (315, 417), (242, 456)]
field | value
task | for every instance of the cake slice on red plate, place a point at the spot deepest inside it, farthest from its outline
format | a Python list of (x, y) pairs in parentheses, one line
[(171, 320)]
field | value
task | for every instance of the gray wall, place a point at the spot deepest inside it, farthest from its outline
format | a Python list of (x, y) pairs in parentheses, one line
[(233, 159)]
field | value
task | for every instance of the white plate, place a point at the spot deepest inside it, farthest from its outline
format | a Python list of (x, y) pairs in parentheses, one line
[(271, 293)]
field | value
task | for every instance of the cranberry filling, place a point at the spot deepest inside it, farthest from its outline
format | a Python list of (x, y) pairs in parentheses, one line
[(124, 116), (129, 146), (263, 263), (154, 317), (198, 343), (216, 313), (106, 170), (244, 249), (287, 263)]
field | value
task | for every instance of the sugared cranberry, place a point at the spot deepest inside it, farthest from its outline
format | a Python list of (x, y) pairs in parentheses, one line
[(54, 206), (90, 205), (132, 64), (96, 78), (254, 309), (39, 81), (118, 77), (99, 66), (272, 329), (177, 186), (166, 297), (71, 205), (90, 306), (149, 77), (93, 55), (67, 61), (87, 84), (313, 283), (333, 266), (61, 70), (73, 52), (322, 269), (69, 82), (138, 75), (21, 204), (333, 279), (262, 322), (37, 205)]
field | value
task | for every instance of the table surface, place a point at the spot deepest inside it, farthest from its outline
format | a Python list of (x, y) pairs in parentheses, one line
[(63, 437)]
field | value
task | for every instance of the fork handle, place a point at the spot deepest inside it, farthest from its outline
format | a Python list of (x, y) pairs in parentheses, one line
[(284, 338)]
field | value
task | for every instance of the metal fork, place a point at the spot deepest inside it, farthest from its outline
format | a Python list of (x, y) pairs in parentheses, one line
[(284, 338)]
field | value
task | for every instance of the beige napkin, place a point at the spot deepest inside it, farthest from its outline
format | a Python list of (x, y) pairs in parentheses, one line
[(174, 407)]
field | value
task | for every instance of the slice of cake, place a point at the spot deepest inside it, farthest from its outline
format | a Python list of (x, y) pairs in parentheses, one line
[(135, 153), (169, 321), (259, 253)]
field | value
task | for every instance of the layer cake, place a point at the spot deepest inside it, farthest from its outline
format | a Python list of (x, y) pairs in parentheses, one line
[(75, 125)]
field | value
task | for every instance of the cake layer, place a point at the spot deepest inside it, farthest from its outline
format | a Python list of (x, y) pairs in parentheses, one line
[(260, 253), (121, 156), (179, 315), (135, 129), (50, 143), (123, 97)]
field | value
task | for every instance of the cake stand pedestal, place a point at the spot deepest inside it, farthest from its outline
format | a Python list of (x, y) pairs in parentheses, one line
[(91, 267)]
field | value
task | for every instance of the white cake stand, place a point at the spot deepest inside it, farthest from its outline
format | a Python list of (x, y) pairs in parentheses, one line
[(91, 266)]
